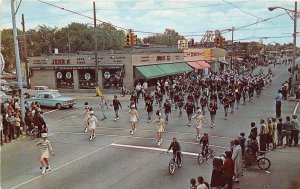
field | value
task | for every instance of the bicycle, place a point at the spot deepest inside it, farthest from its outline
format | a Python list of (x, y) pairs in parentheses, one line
[(205, 156), (174, 162), (34, 133), (259, 159)]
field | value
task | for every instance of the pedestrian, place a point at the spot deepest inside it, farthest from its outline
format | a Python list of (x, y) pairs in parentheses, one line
[(46, 147), (278, 100), (160, 127), (5, 124), (253, 132), (295, 130), (180, 103), (134, 117), (199, 119), (263, 135), (237, 156), (193, 184), (231, 99), (225, 102), (190, 108), (149, 109), (217, 176), (213, 107), (18, 125), (167, 107), (11, 124), (86, 116), (228, 169), (271, 135), (203, 103), (116, 104), (242, 140), (286, 131), (93, 122), (279, 132), (201, 184), (102, 105), (238, 97)]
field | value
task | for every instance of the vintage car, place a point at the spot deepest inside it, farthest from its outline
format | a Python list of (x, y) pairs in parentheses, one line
[(52, 99), (35, 90)]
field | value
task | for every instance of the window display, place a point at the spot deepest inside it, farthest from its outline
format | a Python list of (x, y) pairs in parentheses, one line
[(112, 78), (87, 79), (64, 79)]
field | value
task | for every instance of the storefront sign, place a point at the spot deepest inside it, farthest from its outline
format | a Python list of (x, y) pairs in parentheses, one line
[(68, 75), (87, 76), (60, 62), (59, 75), (106, 75), (39, 62)]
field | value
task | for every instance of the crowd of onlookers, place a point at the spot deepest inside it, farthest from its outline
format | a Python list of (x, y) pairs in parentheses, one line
[(11, 125)]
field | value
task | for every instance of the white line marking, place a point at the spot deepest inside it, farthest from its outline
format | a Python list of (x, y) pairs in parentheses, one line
[(62, 166), (150, 148), (51, 111), (136, 137), (147, 130), (295, 110), (65, 118)]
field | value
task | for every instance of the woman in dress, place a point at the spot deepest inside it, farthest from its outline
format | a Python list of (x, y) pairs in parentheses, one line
[(86, 116), (199, 119), (93, 122), (45, 148), (160, 127), (134, 117)]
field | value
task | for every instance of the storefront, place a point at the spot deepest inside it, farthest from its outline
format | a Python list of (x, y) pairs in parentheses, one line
[(64, 79)]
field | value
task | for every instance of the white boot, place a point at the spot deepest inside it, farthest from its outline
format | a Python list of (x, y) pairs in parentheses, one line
[(43, 170)]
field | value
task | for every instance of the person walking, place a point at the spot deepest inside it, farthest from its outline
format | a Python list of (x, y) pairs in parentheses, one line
[(116, 104), (203, 103), (46, 147), (231, 99), (160, 127), (180, 103), (149, 109), (225, 102), (102, 105), (134, 117), (286, 131), (263, 134), (295, 130), (93, 122), (86, 116), (278, 99), (228, 169), (189, 108), (237, 156), (167, 107), (213, 107), (199, 119)]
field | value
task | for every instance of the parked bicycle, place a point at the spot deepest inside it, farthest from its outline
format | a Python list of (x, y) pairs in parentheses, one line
[(258, 159), (175, 162)]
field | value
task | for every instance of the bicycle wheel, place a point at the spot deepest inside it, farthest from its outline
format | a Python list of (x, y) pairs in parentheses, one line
[(264, 163), (200, 158), (171, 167), (33, 134)]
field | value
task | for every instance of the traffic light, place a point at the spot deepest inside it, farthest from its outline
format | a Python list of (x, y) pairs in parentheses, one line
[(128, 40), (133, 39), (217, 41)]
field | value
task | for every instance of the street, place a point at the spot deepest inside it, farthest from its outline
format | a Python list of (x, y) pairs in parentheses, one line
[(116, 159)]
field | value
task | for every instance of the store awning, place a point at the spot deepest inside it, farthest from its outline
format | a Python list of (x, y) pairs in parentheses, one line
[(203, 64), (224, 62), (150, 71), (195, 65), (183, 67), (168, 69)]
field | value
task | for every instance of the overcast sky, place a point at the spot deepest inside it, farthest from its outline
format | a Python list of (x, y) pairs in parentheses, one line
[(188, 17)]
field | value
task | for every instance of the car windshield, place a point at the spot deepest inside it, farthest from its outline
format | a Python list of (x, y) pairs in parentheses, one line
[(56, 95)]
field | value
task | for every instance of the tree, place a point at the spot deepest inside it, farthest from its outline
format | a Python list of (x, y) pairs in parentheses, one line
[(170, 37), (8, 50)]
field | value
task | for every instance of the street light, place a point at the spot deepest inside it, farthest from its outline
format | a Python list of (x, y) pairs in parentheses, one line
[(294, 17)]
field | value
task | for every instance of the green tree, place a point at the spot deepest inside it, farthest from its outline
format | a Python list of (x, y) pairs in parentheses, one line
[(170, 37), (8, 50)]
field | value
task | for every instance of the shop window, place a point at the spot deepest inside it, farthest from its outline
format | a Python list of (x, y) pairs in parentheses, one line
[(112, 78), (64, 79), (87, 79)]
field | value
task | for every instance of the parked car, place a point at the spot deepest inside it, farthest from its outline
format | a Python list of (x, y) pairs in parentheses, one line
[(35, 90), (15, 84), (6, 89), (52, 99), (3, 97)]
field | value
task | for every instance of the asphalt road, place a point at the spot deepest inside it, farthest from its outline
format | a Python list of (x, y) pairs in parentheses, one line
[(115, 159)]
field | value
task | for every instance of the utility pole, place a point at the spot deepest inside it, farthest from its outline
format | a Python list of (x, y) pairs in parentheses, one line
[(18, 64), (232, 49), (294, 50), (25, 53), (96, 46)]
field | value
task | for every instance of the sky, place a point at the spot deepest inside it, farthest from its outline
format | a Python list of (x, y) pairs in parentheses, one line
[(190, 18)]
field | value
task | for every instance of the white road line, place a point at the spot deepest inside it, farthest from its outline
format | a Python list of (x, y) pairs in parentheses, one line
[(51, 111), (62, 166), (64, 119), (295, 110), (150, 148), (147, 130), (136, 137)]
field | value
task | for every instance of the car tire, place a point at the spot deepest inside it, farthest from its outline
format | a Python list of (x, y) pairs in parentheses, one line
[(58, 106)]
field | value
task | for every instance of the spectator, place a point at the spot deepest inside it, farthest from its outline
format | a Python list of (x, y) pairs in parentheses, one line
[(18, 125), (279, 132), (217, 176), (286, 131), (228, 169), (242, 140), (263, 134), (253, 132), (193, 184), (5, 124), (238, 159), (201, 184), (295, 130)]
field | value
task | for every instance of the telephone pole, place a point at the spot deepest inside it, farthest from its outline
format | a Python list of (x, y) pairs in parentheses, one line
[(232, 48), (25, 52), (96, 46)]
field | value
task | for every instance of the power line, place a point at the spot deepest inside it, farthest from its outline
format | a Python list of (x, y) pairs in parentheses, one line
[(241, 9)]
